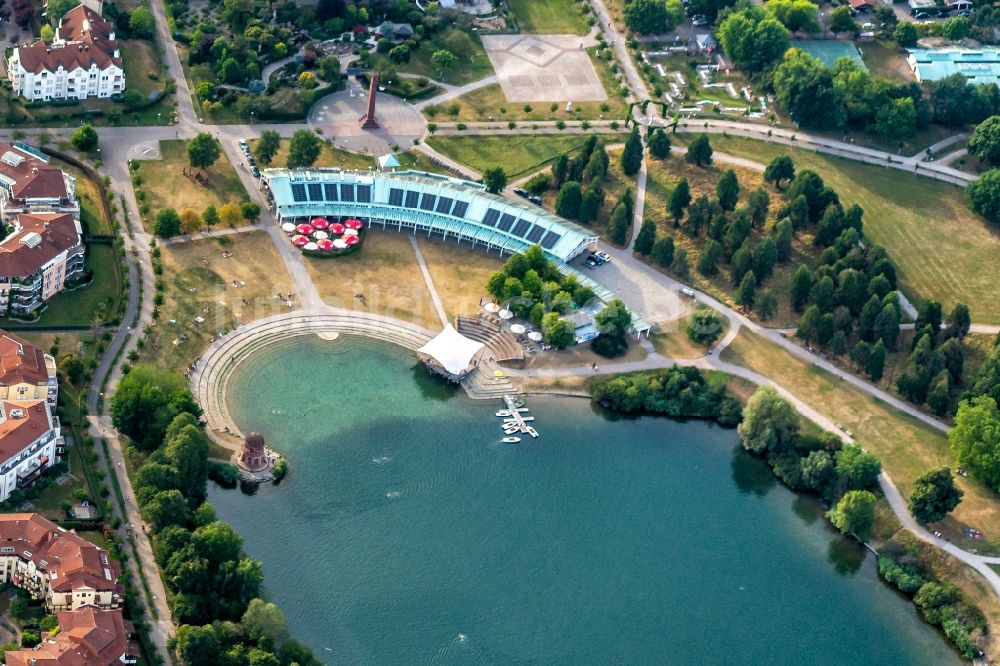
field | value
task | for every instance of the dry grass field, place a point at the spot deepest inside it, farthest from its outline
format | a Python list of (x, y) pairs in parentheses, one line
[(199, 283)]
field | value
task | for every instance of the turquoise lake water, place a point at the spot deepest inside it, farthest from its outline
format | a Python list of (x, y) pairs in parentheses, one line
[(407, 533)]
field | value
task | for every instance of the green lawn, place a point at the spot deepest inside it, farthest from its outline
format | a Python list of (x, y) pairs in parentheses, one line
[(518, 155), (561, 17), (328, 157), (941, 249), (141, 65), (473, 63)]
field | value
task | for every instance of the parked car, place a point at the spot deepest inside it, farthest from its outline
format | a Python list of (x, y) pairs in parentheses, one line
[(251, 161), (699, 20), (521, 192), (535, 200), (256, 172), (590, 263), (603, 256)]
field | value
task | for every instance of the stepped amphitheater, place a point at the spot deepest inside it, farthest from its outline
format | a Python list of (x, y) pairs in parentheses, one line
[(217, 365)]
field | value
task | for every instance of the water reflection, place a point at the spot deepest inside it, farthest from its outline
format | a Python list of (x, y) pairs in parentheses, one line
[(807, 508), (431, 386), (751, 474), (846, 555)]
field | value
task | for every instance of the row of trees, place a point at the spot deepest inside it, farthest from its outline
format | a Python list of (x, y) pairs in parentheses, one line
[(168, 222), (304, 148), (579, 180), (202, 559), (941, 604)]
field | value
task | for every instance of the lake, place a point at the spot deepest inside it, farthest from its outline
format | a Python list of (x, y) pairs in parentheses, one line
[(406, 532)]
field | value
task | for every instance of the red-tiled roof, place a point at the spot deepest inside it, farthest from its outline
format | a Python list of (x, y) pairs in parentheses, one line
[(70, 560), (83, 24), (32, 177), (21, 362), (21, 254), (87, 637), (17, 432), (40, 56)]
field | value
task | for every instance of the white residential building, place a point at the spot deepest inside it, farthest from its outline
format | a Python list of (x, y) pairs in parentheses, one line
[(82, 61)]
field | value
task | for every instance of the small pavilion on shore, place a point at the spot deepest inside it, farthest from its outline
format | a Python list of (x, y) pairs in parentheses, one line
[(451, 354)]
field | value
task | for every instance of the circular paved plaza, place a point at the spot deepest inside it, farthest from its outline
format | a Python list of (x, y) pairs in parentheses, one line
[(339, 116)]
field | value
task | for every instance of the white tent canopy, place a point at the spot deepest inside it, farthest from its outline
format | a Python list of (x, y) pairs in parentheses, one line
[(451, 350)]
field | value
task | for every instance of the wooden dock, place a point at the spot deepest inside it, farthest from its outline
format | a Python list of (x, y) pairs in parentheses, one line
[(517, 418)]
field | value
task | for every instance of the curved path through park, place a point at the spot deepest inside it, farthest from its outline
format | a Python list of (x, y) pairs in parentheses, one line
[(116, 142)]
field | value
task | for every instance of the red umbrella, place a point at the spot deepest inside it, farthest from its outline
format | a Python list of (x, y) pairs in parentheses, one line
[(304, 229), (354, 224), (299, 241), (337, 228), (324, 244), (352, 240), (320, 223)]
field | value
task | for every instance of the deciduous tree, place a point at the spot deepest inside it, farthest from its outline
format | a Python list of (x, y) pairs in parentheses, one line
[(267, 146), (203, 151), (770, 423), (934, 496), (304, 149), (495, 179), (854, 514), (975, 439)]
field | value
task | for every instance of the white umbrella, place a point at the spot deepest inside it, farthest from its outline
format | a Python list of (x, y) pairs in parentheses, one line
[(310, 246), (350, 232), (517, 329), (534, 335), (340, 244), (288, 226), (506, 314), (320, 235), (491, 307)]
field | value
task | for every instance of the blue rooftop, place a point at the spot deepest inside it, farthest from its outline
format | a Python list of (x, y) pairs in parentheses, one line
[(978, 65)]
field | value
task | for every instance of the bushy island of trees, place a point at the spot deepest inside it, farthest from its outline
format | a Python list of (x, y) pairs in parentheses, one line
[(676, 392), (215, 587), (534, 288), (842, 475)]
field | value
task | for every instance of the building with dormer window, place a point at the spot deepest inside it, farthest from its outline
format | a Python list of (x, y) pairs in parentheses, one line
[(82, 61)]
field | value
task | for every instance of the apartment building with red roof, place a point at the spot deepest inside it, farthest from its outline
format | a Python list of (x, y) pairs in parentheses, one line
[(82, 61)]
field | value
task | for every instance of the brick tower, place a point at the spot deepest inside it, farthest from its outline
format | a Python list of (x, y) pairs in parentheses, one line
[(368, 121)]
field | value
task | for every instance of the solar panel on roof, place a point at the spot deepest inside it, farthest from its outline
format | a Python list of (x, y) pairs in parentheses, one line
[(427, 202), (331, 192), (506, 222), (365, 193), (550, 240), (521, 228), (315, 192), (491, 217), (535, 234), (444, 205), (412, 198), (461, 208), (346, 192), (298, 192), (395, 197)]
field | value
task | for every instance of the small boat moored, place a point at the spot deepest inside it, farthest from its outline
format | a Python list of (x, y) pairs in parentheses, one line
[(511, 440)]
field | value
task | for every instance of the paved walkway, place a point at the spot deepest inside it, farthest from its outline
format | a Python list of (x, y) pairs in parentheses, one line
[(265, 74), (451, 92), (212, 233), (651, 291), (438, 305)]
